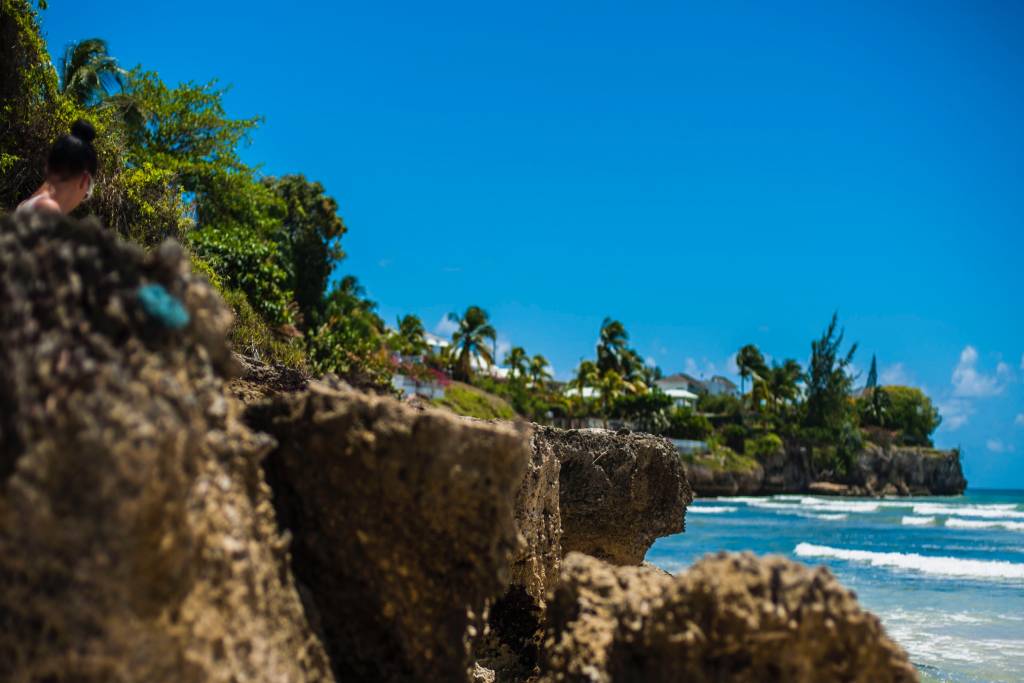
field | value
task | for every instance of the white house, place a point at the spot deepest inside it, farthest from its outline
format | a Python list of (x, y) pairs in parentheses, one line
[(682, 388), (718, 385)]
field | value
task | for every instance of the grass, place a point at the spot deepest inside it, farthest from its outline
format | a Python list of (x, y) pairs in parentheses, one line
[(721, 459), (251, 336), (464, 399)]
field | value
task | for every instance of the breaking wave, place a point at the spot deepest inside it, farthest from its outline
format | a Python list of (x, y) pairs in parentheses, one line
[(939, 566), (957, 523), (918, 521)]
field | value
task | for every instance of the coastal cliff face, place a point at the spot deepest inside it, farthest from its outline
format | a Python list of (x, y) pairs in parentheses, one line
[(152, 528), (137, 537), (402, 525), (876, 471)]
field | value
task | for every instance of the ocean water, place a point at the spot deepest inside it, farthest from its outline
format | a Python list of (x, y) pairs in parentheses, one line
[(945, 575)]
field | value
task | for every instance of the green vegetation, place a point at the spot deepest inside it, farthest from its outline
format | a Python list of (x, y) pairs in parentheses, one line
[(171, 167), (722, 458), (468, 400)]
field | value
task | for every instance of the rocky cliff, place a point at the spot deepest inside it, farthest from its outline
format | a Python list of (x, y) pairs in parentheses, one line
[(876, 471), (153, 528)]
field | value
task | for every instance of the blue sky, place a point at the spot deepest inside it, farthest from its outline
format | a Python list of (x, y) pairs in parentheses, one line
[(711, 174)]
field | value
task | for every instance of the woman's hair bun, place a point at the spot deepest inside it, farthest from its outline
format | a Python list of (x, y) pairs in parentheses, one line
[(83, 130)]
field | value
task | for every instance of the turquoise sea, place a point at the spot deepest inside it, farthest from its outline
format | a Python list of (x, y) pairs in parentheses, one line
[(945, 575)]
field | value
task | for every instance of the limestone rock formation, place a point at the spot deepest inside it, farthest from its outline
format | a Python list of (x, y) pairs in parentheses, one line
[(137, 536), (877, 471), (402, 523), (617, 492), (729, 618)]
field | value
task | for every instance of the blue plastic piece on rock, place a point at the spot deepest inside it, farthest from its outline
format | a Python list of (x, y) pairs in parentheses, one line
[(159, 304)]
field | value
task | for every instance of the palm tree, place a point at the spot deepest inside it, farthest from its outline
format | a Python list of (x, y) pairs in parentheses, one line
[(586, 376), (469, 340), (88, 74), (611, 386), (539, 372), (410, 337), (751, 364), (517, 362), (611, 345), (782, 381)]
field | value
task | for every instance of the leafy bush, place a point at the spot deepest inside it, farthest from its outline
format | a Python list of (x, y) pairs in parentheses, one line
[(763, 446), (735, 437), (725, 405), (686, 424), (649, 411), (906, 410), (247, 263)]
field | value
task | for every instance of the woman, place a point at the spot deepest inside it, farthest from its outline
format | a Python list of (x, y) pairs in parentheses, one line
[(70, 173)]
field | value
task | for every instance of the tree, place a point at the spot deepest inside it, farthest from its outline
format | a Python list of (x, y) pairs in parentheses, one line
[(410, 337), (906, 410), (350, 339), (309, 239), (649, 411), (611, 346), (828, 380), (872, 374), (88, 74), (468, 341), (539, 373), (517, 363), (750, 363), (782, 382)]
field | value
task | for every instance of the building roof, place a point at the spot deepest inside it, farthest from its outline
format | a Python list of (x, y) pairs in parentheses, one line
[(679, 377), (681, 393), (723, 380)]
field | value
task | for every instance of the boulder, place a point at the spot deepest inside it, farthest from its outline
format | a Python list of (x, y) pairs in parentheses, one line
[(618, 492), (731, 617), (402, 523), (137, 536)]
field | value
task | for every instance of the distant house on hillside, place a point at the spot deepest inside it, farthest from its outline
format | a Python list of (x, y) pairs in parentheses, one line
[(682, 388), (718, 385)]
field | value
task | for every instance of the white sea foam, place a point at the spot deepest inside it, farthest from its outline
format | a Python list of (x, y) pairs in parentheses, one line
[(831, 517), (957, 523), (939, 566), (995, 511), (711, 509), (918, 521)]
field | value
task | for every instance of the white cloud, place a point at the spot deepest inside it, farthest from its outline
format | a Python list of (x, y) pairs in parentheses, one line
[(1019, 420), (894, 374), (955, 413), (968, 381), (1022, 361), (384, 263), (445, 327), (704, 368), (650, 362), (731, 366), (997, 446), (504, 346)]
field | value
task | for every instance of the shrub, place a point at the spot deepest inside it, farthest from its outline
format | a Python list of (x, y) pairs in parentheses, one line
[(735, 437), (906, 410), (686, 424), (763, 446)]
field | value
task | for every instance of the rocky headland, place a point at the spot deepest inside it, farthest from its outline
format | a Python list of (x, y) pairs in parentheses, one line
[(876, 471), (158, 523)]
